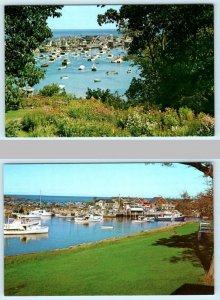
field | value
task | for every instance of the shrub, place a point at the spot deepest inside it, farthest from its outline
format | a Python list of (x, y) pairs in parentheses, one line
[(51, 90), (12, 128)]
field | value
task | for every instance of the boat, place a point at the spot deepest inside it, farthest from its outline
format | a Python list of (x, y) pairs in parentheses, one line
[(110, 56), (64, 77), (81, 220), (24, 225), (94, 68), (94, 218), (170, 216), (149, 219), (44, 65), (106, 227), (65, 62), (40, 212), (61, 86), (117, 60), (113, 72), (97, 80), (62, 67), (82, 67), (129, 71), (89, 219)]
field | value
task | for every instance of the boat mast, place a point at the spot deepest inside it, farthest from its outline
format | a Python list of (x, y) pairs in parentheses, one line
[(40, 198)]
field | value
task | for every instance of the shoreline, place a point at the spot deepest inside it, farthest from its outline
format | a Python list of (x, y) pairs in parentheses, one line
[(90, 244)]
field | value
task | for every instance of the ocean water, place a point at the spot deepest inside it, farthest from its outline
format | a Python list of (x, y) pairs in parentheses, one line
[(58, 199), (65, 233), (77, 82), (59, 33)]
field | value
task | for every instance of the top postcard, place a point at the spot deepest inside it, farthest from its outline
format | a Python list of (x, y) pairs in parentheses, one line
[(109, 70)]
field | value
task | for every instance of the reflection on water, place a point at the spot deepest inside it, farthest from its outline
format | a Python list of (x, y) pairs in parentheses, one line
[(64, 232), (25, 238)]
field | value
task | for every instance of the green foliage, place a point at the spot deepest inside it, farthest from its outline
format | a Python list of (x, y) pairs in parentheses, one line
[(64, 116), (12, 128), (51, 90), (25, 30), (112, 99), (12, 94), (175, 55)]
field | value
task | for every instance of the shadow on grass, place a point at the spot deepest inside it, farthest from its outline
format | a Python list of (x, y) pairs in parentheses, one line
[(195, 250)]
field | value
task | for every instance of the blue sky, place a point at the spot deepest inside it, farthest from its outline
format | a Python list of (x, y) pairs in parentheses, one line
[(80, 17), (112, 179)]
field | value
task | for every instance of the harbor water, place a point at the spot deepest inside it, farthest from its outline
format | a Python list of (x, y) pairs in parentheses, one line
[(64, 232), (77, 81)]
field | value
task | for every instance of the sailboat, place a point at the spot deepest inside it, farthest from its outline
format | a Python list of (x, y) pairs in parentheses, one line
[(40, 212)]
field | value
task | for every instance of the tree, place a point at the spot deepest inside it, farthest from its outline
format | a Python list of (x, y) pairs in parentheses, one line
[(25, 30), (207, 169), (174, 47)]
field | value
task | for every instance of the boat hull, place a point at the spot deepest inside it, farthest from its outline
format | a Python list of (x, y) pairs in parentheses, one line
[(27, 231), (175, 219)]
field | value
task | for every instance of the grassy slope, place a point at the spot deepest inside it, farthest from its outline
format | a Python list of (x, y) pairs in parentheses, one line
[(144, 264)]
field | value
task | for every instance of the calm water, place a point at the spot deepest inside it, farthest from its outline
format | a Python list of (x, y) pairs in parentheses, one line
[(64, 233), (58, 33), (79, 81), (59, 199)]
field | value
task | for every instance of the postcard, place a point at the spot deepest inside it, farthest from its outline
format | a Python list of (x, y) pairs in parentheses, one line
[(109, 70), (113, 229)]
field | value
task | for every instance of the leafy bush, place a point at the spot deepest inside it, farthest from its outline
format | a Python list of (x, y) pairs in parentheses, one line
[(12, 128), (107, 97), (51, 90)]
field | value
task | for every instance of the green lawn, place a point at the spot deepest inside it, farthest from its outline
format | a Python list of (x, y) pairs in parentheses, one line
[(150, 263)]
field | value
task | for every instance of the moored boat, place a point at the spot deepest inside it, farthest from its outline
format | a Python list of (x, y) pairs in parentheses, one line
[(94, 68), (24, 225), (170, 216), (81, 67)]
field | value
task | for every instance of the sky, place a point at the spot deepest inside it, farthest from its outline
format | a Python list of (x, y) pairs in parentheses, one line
[(103, 179), (80, 17)]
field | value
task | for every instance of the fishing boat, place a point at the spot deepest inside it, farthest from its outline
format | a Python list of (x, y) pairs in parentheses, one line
[(40, 212), (24, 226), (94, 68), (170, 216), (89, 219), (82, 67)]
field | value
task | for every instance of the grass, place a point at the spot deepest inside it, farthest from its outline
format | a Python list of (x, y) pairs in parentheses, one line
[(149, 263)]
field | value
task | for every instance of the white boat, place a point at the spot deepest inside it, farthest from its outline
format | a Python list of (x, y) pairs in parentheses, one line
[(106, 227), (40, 212), (94, 68), (64, 77), (89, 218), (82, 67), (81, 220), (97, 80), (24, 229), (24, 226), (62, 67)]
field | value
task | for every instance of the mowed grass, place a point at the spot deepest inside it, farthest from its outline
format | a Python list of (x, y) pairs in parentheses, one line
[(150, 263)]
